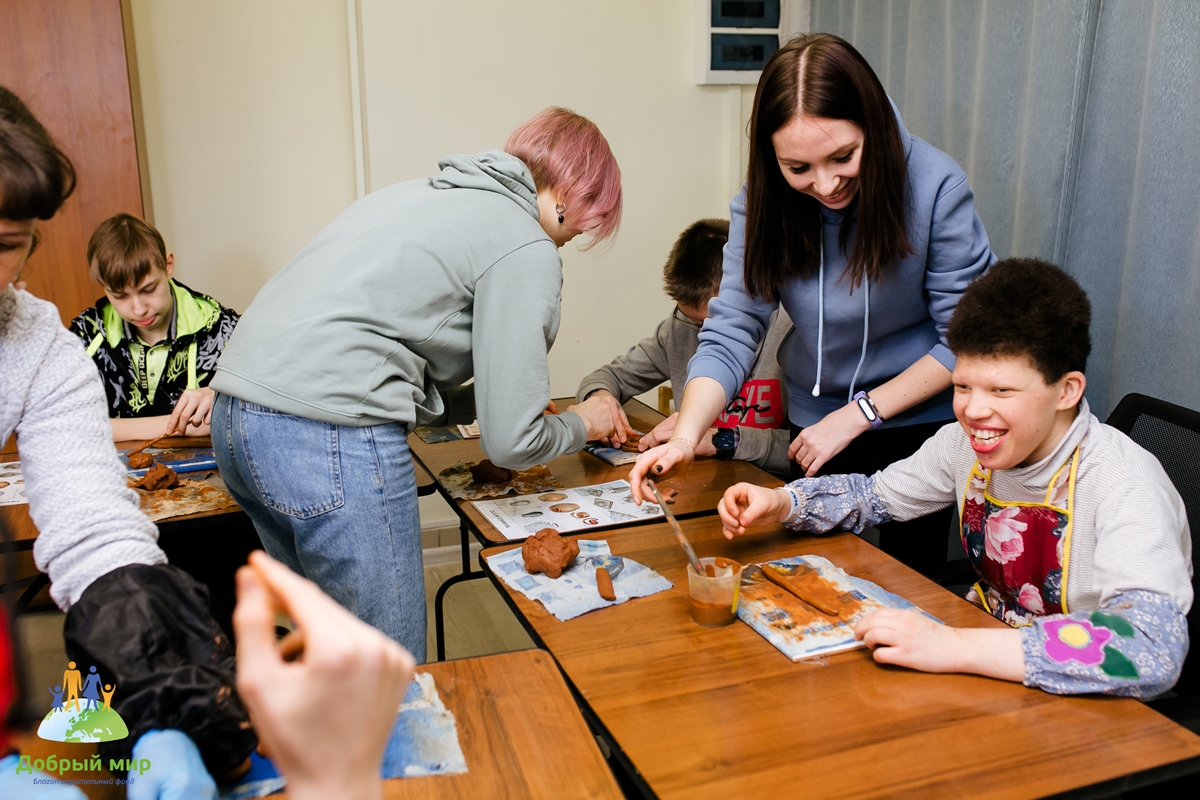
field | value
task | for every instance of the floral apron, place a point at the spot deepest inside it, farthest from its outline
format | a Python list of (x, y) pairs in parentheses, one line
[(1021, 551)]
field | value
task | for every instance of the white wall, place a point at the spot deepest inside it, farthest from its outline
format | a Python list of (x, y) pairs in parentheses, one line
[(248, 132), (441, 78), (251, 139)]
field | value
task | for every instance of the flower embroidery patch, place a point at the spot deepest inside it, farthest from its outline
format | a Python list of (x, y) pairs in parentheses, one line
[(1086, 642)]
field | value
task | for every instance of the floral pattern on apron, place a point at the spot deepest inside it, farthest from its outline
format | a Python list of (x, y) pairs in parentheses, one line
[(1021, 551)]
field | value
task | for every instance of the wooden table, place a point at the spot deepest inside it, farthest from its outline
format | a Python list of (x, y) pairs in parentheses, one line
[(209, 545), (700, 487), (695, 712), (699, 490), (519, 728)]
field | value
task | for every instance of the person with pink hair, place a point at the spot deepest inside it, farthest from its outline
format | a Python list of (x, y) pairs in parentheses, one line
[(414, 289)]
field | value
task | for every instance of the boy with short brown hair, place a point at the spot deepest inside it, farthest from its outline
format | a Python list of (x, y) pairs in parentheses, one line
[(754, 426), (155, 341)]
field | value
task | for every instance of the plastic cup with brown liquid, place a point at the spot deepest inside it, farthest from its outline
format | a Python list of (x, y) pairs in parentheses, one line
[(715, 599)]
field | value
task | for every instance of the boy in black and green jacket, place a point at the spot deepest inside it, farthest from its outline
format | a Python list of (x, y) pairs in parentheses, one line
[(155, 341)]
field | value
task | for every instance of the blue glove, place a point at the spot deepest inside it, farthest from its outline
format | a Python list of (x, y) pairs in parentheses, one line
[(176, 770), (14, 784)]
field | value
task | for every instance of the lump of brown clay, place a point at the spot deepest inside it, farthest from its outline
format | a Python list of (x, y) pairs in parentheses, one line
[(631, 444), (158, 477), (604, 584), (548, 552), (487, 472), (140, 460)]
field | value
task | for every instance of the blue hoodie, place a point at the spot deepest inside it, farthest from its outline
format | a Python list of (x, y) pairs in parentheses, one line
[(908, 311)]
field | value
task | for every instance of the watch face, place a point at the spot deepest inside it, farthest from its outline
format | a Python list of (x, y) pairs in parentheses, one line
[(723, 439), (865, 405)]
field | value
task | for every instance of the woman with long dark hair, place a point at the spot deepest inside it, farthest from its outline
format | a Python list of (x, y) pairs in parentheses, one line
[(867, 236)]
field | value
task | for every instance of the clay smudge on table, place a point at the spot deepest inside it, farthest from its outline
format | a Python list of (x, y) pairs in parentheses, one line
[(799, 614), (548, 552), (806, 584)]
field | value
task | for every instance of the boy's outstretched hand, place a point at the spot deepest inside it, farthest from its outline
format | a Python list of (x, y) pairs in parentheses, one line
[(193, 409), (338, 699), (744, 504)]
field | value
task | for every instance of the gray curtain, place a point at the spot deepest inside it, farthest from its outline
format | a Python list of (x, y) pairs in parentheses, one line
[(1078, 123)]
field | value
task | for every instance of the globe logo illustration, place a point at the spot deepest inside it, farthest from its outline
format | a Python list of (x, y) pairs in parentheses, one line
[(86, 714)]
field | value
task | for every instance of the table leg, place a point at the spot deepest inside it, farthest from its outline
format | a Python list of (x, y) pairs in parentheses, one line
[(37, 583), (439, 620)]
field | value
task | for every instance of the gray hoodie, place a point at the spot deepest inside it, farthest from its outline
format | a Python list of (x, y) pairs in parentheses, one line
[(413, 289)]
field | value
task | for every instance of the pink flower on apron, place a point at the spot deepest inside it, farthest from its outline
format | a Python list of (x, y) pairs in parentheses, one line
[(1003, 542)]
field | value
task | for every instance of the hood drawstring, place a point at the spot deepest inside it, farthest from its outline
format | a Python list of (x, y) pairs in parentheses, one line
[(816, 392), (866, 331), (862, 357)]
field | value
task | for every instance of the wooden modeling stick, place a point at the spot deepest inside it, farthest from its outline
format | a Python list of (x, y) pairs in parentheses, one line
[(148, 444), (784, 582)]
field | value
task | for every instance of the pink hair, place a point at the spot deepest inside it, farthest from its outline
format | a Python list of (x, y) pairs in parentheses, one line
[(567, 152)]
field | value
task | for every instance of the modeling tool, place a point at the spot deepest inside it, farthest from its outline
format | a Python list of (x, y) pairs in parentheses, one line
[(148, 444), (683, 540)]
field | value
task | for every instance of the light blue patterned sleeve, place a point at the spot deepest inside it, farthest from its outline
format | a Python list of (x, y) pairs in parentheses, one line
[(1133, 647), (844, 502)]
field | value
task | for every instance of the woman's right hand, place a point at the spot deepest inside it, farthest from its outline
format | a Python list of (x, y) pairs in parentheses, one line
[(656, 461), (604, 418)]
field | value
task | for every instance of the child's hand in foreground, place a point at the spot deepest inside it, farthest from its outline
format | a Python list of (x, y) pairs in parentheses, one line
[(911, 639), (194, 408), (744, 504), (339, 699)]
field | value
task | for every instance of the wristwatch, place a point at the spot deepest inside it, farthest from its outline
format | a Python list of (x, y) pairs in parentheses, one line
[(726, 441), (867, 406)]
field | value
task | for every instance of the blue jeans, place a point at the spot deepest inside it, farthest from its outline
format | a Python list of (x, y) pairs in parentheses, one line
[(335, 503)]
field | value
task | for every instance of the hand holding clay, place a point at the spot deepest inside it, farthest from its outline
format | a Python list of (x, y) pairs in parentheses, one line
[(604, 418), (339, 698), (548, 552), (744, 504), (194, 410)]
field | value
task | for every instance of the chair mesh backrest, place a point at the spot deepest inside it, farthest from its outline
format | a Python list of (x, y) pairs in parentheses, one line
[(1177, 449), (1172, 434)]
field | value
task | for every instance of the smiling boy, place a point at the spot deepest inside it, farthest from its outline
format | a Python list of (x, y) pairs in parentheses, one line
[(155, 341), (1079, 539)]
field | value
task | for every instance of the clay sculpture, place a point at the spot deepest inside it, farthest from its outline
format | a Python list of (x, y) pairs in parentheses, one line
[(140, 460), (487, 472), (548, 552), (158, 477)]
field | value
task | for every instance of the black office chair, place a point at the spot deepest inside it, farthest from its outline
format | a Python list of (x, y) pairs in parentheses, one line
[(1172, 434)]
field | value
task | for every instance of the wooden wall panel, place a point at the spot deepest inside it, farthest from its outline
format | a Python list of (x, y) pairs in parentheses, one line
[(67, 60)]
